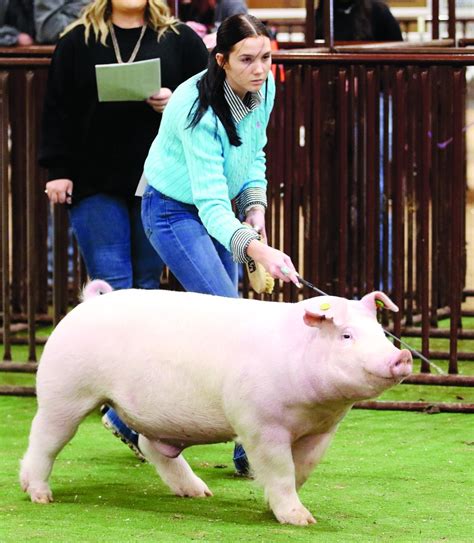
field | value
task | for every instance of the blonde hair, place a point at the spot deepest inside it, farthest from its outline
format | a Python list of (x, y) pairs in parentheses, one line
[(96, 16)]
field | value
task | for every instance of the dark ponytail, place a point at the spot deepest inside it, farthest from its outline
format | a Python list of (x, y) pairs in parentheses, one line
[(211, 85)]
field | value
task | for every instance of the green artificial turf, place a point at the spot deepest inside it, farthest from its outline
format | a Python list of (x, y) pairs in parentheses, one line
[(388, 476)]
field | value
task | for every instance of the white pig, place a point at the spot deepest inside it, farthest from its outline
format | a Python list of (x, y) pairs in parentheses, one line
[(185, 369)]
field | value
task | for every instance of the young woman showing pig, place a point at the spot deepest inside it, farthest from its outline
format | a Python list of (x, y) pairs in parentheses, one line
[(208, 153)]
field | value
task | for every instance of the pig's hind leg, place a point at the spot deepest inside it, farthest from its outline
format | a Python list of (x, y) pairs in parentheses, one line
[(175, 472), (51, 429)]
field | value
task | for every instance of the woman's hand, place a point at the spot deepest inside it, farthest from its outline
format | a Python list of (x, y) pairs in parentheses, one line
[(159, 100), (59, 191), (255, 217), (24, 39), (275, 262)]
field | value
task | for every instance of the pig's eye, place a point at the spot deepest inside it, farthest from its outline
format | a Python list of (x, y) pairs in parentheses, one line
[(346, 335)]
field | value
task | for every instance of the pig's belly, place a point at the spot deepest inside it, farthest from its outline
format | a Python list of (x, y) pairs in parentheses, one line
[(181, 428)]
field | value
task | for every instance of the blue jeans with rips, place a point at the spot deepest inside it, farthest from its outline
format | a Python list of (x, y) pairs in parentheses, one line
[(112, 242), (198, 261)]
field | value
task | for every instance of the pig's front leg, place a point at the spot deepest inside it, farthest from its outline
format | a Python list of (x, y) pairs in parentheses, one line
[(307, 452), (271, 459), (175, 472)]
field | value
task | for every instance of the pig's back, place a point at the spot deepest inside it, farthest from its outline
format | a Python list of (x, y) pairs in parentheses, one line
[(140, 329)]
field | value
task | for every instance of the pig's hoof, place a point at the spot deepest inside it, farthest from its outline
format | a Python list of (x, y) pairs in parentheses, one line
[(196, 489), (298, 517), (41, 494)]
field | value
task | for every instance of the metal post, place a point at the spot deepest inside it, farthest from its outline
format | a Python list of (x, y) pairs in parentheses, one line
[(310, 30), (435, 19)]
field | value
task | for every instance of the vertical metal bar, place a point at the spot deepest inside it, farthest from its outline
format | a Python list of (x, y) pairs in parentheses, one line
[(398, 204), (452, 19), (30, 214), (435, 19), (289, 179), (413, 142), (437, 200), (425, 201), (310, 26), (342, 174), (361, 179), (315, 189), (352, 279), (328, 23), (387, 179), (5, 195), (371, 159), (458, 209)]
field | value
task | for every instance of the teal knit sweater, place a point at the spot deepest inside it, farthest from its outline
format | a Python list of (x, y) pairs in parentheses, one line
[(199, 166)]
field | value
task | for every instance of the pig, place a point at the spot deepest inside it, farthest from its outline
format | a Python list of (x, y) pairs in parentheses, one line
[(185, 369)]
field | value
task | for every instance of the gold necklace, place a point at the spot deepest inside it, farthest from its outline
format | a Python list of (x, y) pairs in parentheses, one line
[(116, 47)]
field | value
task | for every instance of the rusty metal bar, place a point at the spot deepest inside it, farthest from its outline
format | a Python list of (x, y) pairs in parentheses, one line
[(12, 390), (412, 331), (452, 19), (372, 178), (399, 169), (19, 367), (457, 210), (342, 176), (423, 251), (429, 407), (435, 19), (328, 23), (5, 205), (440, 380), (31, 286), (310, 30)]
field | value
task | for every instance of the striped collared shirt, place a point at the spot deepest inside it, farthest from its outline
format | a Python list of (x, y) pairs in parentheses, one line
[(240, 108)]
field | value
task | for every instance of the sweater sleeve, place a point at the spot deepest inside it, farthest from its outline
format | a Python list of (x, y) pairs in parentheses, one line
[(203, 152), (57, 128), (8, 36), (194, 53), (52, 17)]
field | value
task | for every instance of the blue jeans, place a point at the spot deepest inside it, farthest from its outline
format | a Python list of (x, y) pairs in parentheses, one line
[(198, 261), (112, 242)]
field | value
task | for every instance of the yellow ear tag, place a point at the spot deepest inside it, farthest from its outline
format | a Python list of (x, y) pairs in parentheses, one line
[(379, 303), (324, 306)]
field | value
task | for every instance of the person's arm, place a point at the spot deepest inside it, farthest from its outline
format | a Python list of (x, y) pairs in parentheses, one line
[(57, 143), (52, 17)]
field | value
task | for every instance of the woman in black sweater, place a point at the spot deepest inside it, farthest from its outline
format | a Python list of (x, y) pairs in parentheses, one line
[(95, 151), (360, 20)]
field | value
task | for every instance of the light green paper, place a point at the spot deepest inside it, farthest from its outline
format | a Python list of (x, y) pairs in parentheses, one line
[(128, 82)]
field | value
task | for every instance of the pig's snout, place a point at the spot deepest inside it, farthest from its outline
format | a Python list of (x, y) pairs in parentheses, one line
[(401, 364)]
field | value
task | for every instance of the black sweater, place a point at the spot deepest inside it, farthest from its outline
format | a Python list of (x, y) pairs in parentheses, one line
[(381, 24), (102, 146)]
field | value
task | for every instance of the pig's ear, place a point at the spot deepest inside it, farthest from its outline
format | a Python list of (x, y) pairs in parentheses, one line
[(325, 307), (376, 300)]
